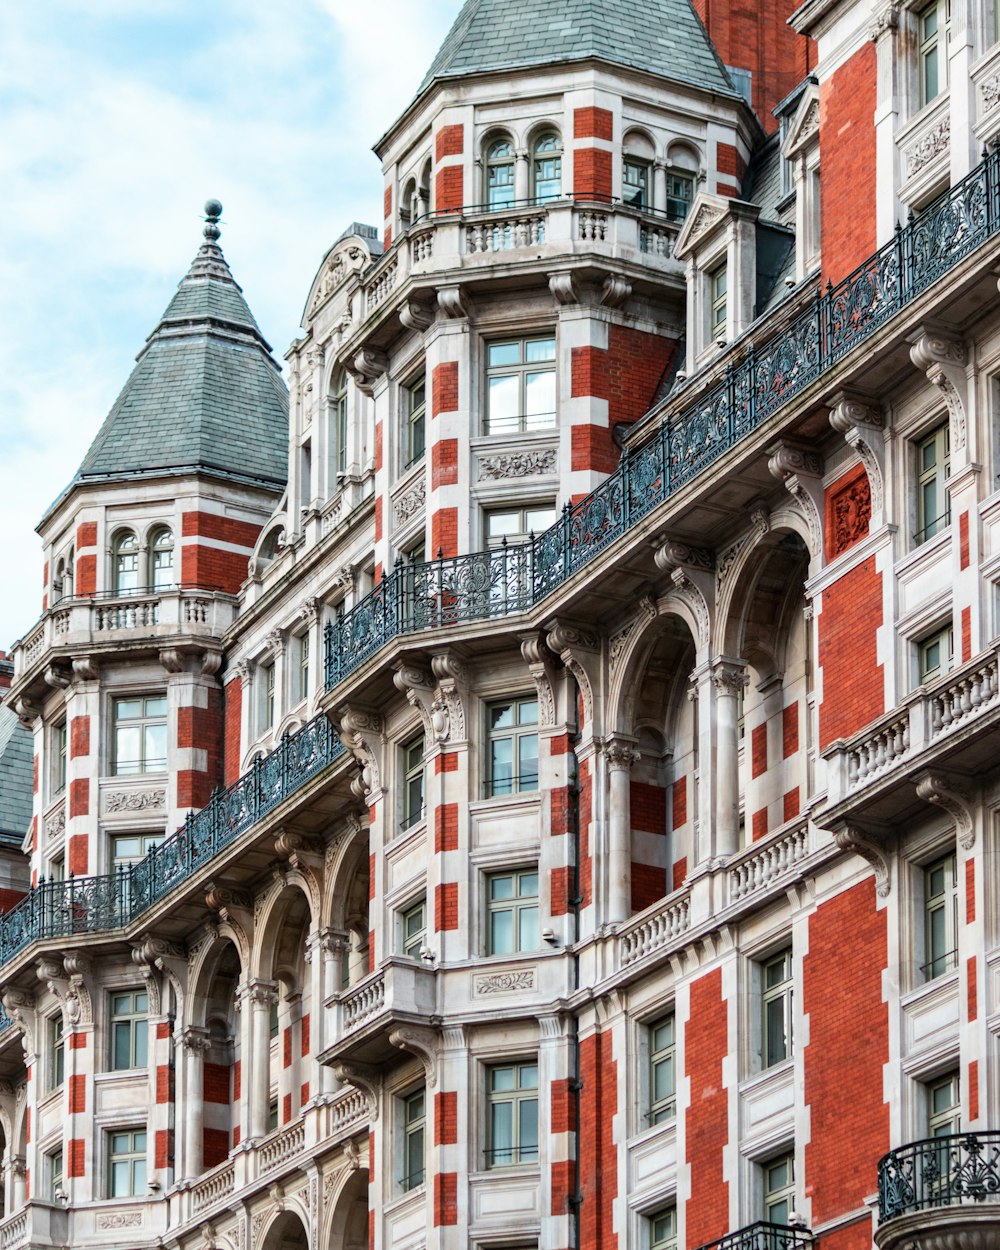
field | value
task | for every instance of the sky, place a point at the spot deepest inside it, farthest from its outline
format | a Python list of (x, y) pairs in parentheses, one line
[(118, 119)]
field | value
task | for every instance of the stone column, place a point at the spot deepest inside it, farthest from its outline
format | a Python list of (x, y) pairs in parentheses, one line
[(729, 679), (263, 994), (18, 1183), (660, 187), (621, 755), (522, 175), (195, 1042)]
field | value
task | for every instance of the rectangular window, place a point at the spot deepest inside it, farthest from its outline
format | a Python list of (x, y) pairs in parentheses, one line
[(272, 1116), (413, 926), (415, 399), (663, 1229), (129, 848), (521, 386), (934, 24), (514, 526), (776, 998), (512, 1115), (944, 1106), (414, 1123), (128, 1029), (779, 1189), (513, 746), (680, 193), (57, 747), (662, 1076), (512, 906), (140, 734), (635, 183), (55, 1166), (940, 918), (933, 502), (127, 1163), (57, 1052), (935, 654), (302, 667), (718, 288), (413, 782), (267, 681)]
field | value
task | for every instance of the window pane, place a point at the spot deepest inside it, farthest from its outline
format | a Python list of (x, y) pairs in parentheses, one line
[(501, 933), (127, 749), (539, 397), (122, 1046), (119, 1180), (501, 770), (156, 747), (528, 1130), (527, 747), (663, 1080), (528, 929), (140, 1043), (501, 888), (528, 885), (776, 1043), (539, 349), (527, 712), (504, 354), (128, 709), (528, 1076), (502, 1080), (139, 1173), (502, 1131), (503, 525), (501, 715), (503, 413)]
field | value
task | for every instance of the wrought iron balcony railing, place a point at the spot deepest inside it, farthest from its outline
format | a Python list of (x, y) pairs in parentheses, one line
[(766, 376), (764, 1236), (61, 909), (959, 1169)]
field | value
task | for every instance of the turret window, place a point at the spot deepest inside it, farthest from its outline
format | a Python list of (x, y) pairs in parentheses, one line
[(126, 564), (547, 168), (680, 193), (140, 735), (635, 183), (161, 560), (500, 174)]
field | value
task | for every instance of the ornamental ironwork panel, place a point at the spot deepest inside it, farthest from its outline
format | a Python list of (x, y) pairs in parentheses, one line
[(763, 1236), (957, 1169)]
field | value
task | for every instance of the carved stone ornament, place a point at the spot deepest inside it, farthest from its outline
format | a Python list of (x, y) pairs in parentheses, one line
[(135, 801), (55, 823), (851, 514), (860, 842), (517, 464), (57, 676), (452, 303), (621, 755), (337, 268), (936, 789), (563, 288), (221, 898), (368, 365), (410, 502), (671, 554), (943, 359), (415, 315), (364, 1077), (110, 1220), (930, 145), (535, 655), (729, 678), (490, 983), (421, 1042), (884, 22), (615, 290), (989, 93)]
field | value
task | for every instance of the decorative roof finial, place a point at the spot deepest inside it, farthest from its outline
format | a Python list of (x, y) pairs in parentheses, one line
[(213, 211)]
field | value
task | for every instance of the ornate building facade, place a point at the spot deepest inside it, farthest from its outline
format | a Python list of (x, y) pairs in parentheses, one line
[(530, 781)]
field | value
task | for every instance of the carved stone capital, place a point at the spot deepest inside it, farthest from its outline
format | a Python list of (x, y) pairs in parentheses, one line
[(196, 1040), (729, 677), (672, 554), (937, 789), (787, 458), (621, 754), (849, 410)]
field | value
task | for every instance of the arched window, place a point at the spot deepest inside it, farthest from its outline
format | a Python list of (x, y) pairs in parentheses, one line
[(338, 412), (161, 560), (500, 174), (126, 563), (546, 169), (409, 209)]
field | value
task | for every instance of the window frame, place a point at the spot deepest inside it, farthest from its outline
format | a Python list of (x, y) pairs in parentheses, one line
[(59, 751), (945, 904), (555, 155), (937, 474), (678, 176), (636, 192), (267, 702), (944, 638), (136, 1158), (412, 768), (129, 538), (667, 1241), (136, 1021), (413, 1130), (525, 531), (415, 422), (338, 409), (55, 1167), (718, 302), (661, 1110), (303, 648), (934, 46), (529, 783), (519, 905), (523, 370), (418, 938), (161, 541), (781, 992), (774, 1197), (56, 1038), (494, 194), (144, 722), (949, 1118), (518, 1097)]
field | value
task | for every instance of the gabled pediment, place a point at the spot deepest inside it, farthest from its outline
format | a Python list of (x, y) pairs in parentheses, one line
[(707, 213), (348, 256), (804, 129)]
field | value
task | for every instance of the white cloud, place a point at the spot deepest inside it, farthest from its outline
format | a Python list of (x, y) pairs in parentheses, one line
[(118, 121)]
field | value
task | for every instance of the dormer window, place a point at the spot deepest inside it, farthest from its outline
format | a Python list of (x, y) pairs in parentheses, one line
[(547, 167), (500, 174), (126, 563), (161, 559)]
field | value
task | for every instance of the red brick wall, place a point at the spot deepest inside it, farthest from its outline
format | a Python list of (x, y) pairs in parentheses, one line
[(200, 727), (756, 37), (445, 1199), (444, 532), (847, 137), (446, 827), (445, 1118), (446, 907), (848, 1033), (444, 463), (963, 540), (79, 737), (597, 1146), (86, 535), (444, 388), (85, 582), (593, 123), (448, 189), (213, 568), (592, 173), (215, 1147), (853, 692), (706, 1119), (233, 692), (449, 142)]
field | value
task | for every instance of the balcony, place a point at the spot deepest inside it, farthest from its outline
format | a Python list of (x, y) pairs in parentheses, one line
[(403, 992), (763, 1236), (108, 622), (767, 368), (942, 1193), (91, 905)]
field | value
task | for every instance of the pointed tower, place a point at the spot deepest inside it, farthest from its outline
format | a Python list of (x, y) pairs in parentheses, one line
[(146, 550)]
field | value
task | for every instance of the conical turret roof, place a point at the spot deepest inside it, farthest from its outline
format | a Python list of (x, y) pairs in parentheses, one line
[(664, 37), (205, 394)]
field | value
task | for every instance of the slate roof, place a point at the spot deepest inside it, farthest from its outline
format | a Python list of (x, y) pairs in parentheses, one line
[(16, 769), (664, 37), (205, 393)]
